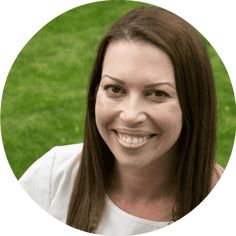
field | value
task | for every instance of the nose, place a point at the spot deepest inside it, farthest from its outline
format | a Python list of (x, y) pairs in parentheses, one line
[(133, 112)]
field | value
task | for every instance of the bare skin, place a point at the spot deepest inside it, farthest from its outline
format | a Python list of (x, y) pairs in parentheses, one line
[(137, 197), (139, 117), (140, 193)]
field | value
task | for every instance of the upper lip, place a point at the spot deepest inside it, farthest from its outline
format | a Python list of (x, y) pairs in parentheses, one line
[(133, 132)]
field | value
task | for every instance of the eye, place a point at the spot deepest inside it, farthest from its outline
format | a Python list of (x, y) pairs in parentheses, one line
[(114, 90), (157, 94), (160, 93)]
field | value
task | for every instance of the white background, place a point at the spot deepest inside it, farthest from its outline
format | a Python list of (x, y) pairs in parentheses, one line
[(20, 20)]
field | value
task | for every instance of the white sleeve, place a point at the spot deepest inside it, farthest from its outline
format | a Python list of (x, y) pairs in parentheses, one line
[(36, 181)]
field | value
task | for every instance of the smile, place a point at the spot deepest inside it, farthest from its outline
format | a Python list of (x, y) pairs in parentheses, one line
[(132, 141)]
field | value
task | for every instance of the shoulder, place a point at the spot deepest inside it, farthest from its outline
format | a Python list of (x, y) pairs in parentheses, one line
[(55, 168), (67, 155), (65, 165), (68, 150), (59, 156), (216, 174)]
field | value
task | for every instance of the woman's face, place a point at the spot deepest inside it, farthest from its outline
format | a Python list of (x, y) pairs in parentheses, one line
[(137, 108)]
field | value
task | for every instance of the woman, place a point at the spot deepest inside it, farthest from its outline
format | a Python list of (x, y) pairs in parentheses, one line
[(150, 131)]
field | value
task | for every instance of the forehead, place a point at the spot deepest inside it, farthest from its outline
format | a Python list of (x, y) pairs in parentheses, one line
[(138, 61)]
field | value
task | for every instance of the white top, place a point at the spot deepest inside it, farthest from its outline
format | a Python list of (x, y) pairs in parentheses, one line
[(49, 181)]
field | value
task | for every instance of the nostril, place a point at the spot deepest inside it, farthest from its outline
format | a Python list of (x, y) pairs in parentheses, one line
[(114, 131), (132, 116)]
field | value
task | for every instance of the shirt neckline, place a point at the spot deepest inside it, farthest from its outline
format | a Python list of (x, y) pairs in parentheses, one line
[(130, 217)]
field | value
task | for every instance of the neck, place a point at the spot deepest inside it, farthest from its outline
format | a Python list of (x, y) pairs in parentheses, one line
[(147, 183)]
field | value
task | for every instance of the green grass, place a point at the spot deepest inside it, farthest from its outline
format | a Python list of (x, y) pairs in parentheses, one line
[(44, 102)]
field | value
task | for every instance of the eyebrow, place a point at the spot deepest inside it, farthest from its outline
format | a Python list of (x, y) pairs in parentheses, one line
[(119, 81)]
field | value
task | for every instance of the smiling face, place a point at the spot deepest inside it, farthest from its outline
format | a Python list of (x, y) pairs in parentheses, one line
[(137, 108)]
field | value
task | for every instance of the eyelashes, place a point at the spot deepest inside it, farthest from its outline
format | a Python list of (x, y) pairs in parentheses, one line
[(116, 91), (157, 93), (113, 89)]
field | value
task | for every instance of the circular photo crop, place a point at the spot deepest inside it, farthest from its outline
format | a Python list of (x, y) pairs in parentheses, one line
[(118, 119)]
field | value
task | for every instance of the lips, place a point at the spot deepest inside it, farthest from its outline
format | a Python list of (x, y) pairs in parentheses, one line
[(132, 140)]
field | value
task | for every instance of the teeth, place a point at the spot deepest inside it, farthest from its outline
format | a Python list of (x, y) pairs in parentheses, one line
[(140, 140), (131, 139)]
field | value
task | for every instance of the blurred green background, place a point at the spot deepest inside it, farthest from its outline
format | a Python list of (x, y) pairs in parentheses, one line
[(43, 103)]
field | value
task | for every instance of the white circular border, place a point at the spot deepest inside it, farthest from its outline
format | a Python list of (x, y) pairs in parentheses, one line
[(19, 21)]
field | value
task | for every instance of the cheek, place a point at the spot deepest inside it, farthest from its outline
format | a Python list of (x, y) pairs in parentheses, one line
[(169, 116), (103, 111), (99, 107)]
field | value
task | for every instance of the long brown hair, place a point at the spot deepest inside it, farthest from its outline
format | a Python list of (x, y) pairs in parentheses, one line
[(196, 92)]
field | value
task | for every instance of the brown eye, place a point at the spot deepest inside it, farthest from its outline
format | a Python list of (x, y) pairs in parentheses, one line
[(160, 93), (157, 95), (114, 90)]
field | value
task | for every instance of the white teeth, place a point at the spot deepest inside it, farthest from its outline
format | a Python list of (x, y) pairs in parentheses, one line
[(140, 140), (132, 140), (135, 140), (129, 140)]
